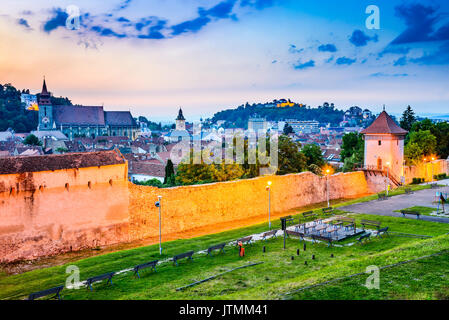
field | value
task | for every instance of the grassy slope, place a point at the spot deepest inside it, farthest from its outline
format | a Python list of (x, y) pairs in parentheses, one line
[(277, 275)]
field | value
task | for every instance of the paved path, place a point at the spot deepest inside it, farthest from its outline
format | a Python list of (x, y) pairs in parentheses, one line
[(387, 207)]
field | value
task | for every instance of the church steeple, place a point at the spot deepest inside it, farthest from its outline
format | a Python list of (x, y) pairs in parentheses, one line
[(180, 115), (44, 88)]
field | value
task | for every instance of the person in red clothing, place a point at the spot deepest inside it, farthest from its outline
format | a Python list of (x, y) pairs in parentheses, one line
[(241, 249)]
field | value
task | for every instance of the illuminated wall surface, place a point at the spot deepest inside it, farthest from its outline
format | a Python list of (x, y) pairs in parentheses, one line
[(44, 216)]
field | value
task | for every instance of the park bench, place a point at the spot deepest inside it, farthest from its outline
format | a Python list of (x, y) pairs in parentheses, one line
[(216, 247), (142, 266), (99, 278), (271, 234), (299, 235), (287, 219), (245, 240), (411, 212), (347, 222), (322, 238), (408, 191), (328, 211), (44, 293), (434, 186), (182, 256), (364, 237), (371, 223), (382, 231), (308, 214), (382, 196)]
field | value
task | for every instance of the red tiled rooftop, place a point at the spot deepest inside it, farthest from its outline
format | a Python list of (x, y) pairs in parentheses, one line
[(384, 125)]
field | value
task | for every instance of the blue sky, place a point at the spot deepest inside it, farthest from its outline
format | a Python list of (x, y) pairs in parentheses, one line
[(206, 55)]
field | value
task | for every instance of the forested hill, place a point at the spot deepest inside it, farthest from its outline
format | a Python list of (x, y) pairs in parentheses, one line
[(239, 117), (13, 113)]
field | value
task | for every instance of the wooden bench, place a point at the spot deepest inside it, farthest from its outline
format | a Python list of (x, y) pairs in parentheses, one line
[(40, 294), (99, 278), (434, 186), (381, 232), (382, 196), (151, 264), (299, 235), (328, 211), (371, 223), (216, 247), (408, 191), (322, 238), (347, 222), (271, 234), (182, 256), (309, 214), (411, 212), (365, 237), (244, 240)]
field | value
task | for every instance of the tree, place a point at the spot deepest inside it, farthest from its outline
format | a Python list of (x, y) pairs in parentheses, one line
[(421, 144), (169, 173), (439, 130), (313, 155), (408, 118), (352, 144), (32, 140), (287, 129), (290, 158)]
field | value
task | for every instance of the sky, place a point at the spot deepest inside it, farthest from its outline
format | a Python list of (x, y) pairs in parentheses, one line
[(153, 56)]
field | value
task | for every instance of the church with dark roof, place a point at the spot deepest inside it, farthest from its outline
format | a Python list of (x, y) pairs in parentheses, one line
[(84, 121)]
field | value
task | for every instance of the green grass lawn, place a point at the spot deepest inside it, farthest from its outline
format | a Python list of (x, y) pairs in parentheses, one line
[(273, 279)]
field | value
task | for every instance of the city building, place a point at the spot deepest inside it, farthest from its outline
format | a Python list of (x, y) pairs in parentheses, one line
[(256, 123), (384, 145), (84, 121), (300, 127)]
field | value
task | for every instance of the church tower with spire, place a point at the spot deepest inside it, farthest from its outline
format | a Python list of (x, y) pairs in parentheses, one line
[(180, 121), (45, 109)]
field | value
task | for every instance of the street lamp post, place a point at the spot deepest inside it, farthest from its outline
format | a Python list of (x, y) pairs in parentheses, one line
[(269, 204), (388, 178), (158, 204), (327, 186)]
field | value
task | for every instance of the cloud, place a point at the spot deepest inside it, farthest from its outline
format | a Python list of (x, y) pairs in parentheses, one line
[(222, 10), (258, 4), (107, 32), (382, 74), (360, 39), (392, 49), (23, 22), (154, 32), (402, 61), (345, 60), (293, 49), (58, 19), (439, 57), (301, 66), (327, 48), (123, 5)]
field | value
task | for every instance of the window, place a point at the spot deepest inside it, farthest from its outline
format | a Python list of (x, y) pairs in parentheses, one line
[(380, 142)]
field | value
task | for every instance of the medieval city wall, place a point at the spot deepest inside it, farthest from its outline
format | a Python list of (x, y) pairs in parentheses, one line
[(425, 170), (46, 213), (226, 205), (36, 222)]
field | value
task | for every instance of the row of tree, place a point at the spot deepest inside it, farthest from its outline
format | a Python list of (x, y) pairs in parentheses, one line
[(292, 158)]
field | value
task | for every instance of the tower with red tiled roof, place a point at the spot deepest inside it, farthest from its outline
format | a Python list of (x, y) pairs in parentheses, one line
[(384, 145)]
